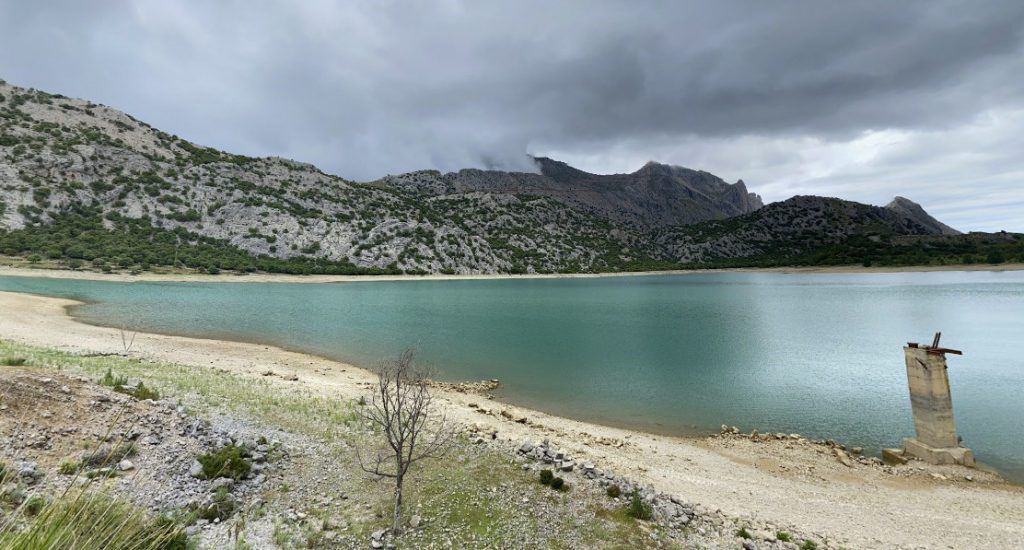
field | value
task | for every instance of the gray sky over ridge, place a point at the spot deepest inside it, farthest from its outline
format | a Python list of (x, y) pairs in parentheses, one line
[(861, 100)]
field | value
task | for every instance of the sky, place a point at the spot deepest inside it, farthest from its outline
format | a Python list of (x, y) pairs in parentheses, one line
[(860, 100)]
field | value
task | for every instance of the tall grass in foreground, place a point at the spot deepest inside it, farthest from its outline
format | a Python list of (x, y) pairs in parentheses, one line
[(89, 520)]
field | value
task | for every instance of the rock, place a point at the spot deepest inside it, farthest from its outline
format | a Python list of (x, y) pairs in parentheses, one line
[(567, 466), (222, 482), (151, 440), (856, 450), (125, 465), (29, 472), (196, 469), (893, 457), (526, 446), (65, 389), (844, 458), (415, 521), (749, 545)]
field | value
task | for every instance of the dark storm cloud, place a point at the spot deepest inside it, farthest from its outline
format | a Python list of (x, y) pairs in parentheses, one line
[(762, 91)]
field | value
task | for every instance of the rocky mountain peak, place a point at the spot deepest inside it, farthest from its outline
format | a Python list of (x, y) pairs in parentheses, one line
[(914, 211)]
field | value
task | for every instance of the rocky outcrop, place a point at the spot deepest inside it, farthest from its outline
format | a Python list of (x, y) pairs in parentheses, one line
[(910, 209)]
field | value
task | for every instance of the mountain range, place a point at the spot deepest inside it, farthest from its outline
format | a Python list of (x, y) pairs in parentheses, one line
[(84, 184)]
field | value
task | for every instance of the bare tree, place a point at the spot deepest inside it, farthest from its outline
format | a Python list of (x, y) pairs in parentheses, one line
[(127, 338), (402, 409)]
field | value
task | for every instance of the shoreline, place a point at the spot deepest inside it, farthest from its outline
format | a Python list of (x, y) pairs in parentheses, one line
[(6, 270), (860, 507)]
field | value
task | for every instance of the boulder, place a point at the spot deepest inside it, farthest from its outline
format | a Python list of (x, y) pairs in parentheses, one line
[(893, 457)]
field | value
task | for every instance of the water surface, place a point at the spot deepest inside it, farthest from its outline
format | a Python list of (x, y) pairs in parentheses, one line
[(816, 354)]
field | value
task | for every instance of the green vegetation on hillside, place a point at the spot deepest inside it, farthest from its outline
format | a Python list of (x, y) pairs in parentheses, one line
[(79, 237)]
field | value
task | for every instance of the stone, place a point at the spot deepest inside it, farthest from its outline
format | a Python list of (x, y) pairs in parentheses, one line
[(151, 440), (415, 521), (749, 545), (844, 458), (125, 465), (567, 466), (893, 457), (29, 472), (526, 446), (196, 469), (222, 482)]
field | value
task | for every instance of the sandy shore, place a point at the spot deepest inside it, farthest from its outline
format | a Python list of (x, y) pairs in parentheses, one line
[(284, 278), (783, 483)]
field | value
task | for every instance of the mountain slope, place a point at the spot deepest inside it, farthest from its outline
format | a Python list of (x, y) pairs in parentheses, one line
[(59, 154), (83, 183)]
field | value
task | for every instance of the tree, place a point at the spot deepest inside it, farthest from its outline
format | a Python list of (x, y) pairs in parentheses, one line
[(402, 410)]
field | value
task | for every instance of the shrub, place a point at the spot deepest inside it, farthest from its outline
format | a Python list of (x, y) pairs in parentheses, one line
[(141, 392), (69, 467), (614, 491), (33, 505), (546, 476), (809, 545), (228, 461), (784, 536), (12, 496), (743, 533), (638, 509), (14, 361), (3, 472), (111, 380), (557, 483)]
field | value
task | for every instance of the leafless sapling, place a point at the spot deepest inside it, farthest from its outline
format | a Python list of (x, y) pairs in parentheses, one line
[(402, 409)]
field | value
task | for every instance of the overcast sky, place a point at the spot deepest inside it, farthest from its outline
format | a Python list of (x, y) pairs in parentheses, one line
[(860, 100)]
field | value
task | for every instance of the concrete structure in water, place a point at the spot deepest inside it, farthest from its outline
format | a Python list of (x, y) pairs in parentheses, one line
[(932, 404)]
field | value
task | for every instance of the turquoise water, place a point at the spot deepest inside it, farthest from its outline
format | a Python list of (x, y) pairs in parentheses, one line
[(815, 354)]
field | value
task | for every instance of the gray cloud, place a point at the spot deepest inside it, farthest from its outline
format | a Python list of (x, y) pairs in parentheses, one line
[(862, 100)]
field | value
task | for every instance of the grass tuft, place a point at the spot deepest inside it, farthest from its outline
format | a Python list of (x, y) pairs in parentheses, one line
[(638, 509)]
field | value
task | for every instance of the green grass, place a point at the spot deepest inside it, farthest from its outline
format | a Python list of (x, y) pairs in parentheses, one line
[(87, 520), (210, 389), (638, 509)]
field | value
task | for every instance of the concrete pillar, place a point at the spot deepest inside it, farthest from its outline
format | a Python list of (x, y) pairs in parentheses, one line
[(930, 398), (932, 405)]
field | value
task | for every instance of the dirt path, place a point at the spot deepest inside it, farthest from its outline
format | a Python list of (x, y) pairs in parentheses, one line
[(787, 483)]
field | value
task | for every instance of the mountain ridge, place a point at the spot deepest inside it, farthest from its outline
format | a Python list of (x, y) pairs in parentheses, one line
[(81, 183)]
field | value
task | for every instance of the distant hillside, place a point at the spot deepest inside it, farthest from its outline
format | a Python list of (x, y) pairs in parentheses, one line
[(85, 185), (657, 195)]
